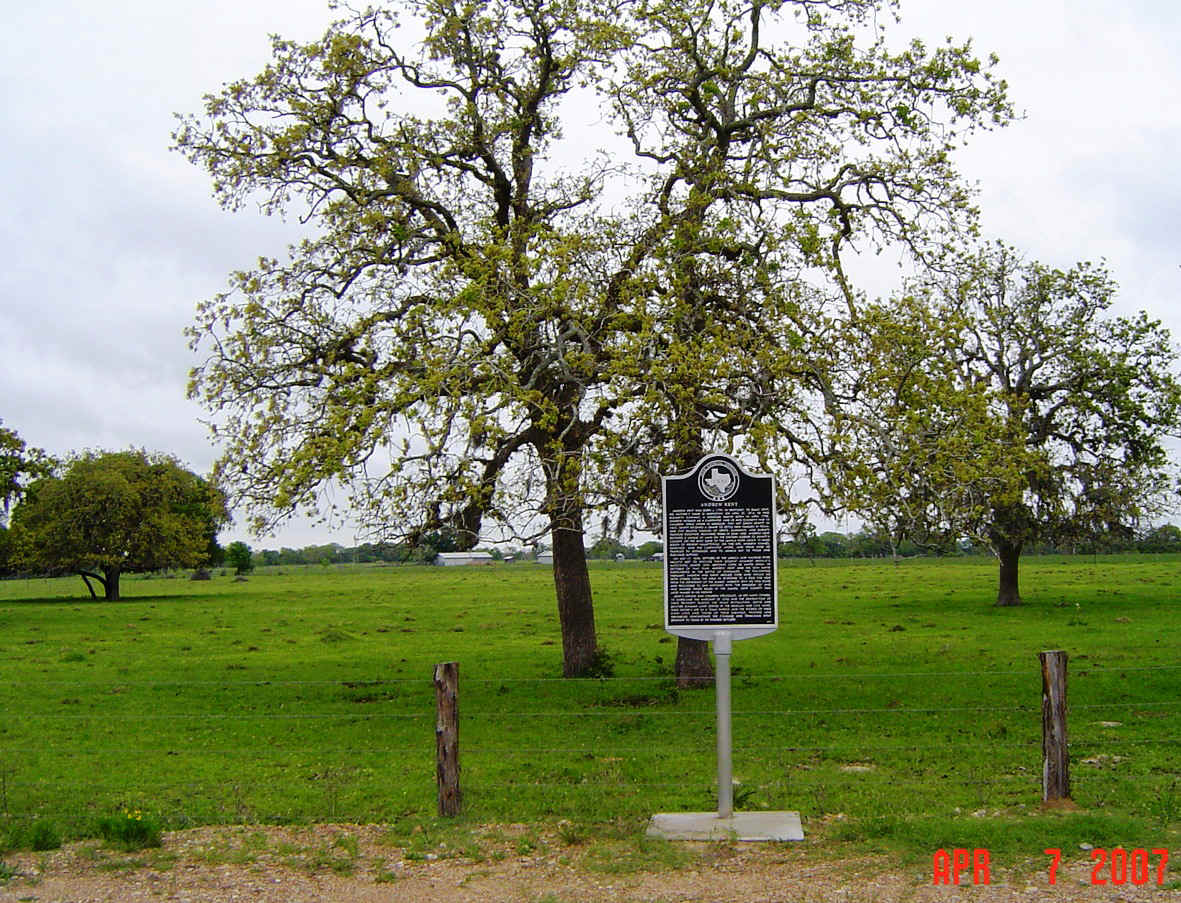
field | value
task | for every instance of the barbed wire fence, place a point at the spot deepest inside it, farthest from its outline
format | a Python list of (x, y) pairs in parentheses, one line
[(278, 751)]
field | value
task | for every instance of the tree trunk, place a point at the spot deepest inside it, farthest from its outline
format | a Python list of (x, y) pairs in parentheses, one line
[(112, 583), (576, 612), (1009, 554), (90, 586), (694, 667), (109, 578), (562, 462)]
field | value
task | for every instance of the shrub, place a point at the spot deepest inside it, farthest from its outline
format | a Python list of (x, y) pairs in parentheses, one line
[(602, 665), (44, 836), (240, 558), (131, 830)]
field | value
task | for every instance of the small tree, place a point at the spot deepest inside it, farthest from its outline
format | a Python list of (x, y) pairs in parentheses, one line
[(999, 403), (111, 513), (240, 557)]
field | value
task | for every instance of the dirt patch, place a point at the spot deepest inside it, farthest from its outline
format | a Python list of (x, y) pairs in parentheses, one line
[(366, 864)]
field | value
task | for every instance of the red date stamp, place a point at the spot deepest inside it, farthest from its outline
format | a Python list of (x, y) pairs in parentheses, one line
[(1120, 866), (1116, 866), (949, 867)]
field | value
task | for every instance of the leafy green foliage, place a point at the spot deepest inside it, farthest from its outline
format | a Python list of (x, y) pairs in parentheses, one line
[(1166, 538), (494, 326), (239, 557), (131, 830), (1002, 405), (5, 550), (44, 835), (116, 512), (19, 465)]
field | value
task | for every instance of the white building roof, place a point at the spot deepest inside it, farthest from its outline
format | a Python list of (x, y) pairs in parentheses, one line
[(465, 556)]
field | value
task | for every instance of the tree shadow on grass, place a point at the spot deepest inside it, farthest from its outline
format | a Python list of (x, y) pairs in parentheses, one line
[(82, 599)]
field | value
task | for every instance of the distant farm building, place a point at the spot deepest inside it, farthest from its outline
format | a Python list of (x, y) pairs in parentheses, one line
[(452, 559), (545, 557)]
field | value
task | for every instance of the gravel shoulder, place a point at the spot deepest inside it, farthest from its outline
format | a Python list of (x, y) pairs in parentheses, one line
[(362, 864)]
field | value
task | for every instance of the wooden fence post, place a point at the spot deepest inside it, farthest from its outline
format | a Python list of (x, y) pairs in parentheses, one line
[(447, 737), (1055, 754)]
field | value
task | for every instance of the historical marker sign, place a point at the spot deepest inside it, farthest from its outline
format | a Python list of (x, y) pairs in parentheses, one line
[(719, 551), (720, 574)]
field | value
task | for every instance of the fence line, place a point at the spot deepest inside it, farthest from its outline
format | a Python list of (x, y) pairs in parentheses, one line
[(584, 782), (365, 682), (607, 712), (218, 800), (230, 716), (352, 683), (91, 750)]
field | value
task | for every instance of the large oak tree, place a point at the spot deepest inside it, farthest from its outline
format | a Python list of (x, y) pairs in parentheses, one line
[(485, 313), (1003, 402), (792, 145)]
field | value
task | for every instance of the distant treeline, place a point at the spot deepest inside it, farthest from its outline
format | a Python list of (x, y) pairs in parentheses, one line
[(866, 544), (334, 553), (404, 553), (862, 544)]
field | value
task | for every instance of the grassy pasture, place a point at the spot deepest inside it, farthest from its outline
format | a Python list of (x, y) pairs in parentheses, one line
[(894, 704)]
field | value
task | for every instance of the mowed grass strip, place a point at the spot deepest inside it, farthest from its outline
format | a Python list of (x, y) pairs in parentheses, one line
[(891, 696)]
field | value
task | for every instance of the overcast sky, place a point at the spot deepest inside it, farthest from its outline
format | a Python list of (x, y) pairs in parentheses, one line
[(110, 239)]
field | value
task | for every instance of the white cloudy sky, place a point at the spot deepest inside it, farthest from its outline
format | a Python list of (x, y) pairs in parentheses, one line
[(109, 238)]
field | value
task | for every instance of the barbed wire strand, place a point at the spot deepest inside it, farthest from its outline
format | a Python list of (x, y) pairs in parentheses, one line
[(599, 752), (615, 711), (367, 682)]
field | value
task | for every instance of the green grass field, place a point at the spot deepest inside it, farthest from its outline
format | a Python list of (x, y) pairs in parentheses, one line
[(895, 705)]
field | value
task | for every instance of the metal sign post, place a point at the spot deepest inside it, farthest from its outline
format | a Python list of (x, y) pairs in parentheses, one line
[(722, 648), (720, 581)]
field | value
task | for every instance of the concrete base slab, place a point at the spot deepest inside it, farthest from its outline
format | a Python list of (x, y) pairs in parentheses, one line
[(748, 826)]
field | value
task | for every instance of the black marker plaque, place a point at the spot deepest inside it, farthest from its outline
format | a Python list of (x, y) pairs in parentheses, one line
[(719, 547)]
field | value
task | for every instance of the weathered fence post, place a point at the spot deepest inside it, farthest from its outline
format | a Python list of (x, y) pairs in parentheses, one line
[(1055, 754), (447, 737)]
